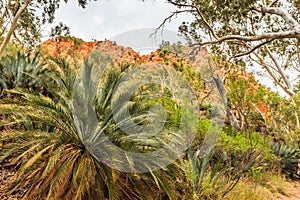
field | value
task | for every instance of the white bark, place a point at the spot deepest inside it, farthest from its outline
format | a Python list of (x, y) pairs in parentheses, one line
[(280, 71), (294, 25), (270, 72), (263, 36)]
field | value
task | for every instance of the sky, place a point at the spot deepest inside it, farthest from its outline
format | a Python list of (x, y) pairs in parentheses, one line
[(104, 19)]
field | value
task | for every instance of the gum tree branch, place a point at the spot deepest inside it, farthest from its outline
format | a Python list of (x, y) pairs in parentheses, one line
[(293, 33), (281, 72), (269, 36), (276, 80), (294, 25), (251, 50)]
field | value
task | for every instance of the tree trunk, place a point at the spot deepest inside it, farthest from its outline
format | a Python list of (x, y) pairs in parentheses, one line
[(13, 27)]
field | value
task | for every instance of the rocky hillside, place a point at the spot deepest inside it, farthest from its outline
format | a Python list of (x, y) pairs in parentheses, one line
[(79, 49), (74, 48)]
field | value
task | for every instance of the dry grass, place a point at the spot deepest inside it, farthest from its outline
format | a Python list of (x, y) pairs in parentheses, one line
[(247, 190), (267, 186)]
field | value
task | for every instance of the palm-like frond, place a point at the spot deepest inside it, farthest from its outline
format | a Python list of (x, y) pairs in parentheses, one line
[(289, 157), (51, 169), (22, 71), (56, 164)]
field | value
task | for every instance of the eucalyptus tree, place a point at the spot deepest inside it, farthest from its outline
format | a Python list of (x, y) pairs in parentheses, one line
[(252, 34), (22, 20), (256, 31)]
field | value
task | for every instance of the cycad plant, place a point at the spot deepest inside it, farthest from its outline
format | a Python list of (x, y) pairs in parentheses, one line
[(209, 180), (55, 163), (21, 71), (289, 157)]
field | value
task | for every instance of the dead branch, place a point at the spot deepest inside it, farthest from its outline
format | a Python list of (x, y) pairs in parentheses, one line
[(195, 9), (170, 17)]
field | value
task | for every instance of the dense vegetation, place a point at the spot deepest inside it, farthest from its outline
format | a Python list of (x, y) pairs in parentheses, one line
[(42, 130), (66, 105)]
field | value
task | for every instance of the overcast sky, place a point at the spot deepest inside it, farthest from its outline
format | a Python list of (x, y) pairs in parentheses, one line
[(104, 19)]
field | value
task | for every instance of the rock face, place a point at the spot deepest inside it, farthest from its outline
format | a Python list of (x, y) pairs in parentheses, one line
[(76, 48), (73, 48), (67, 47)]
